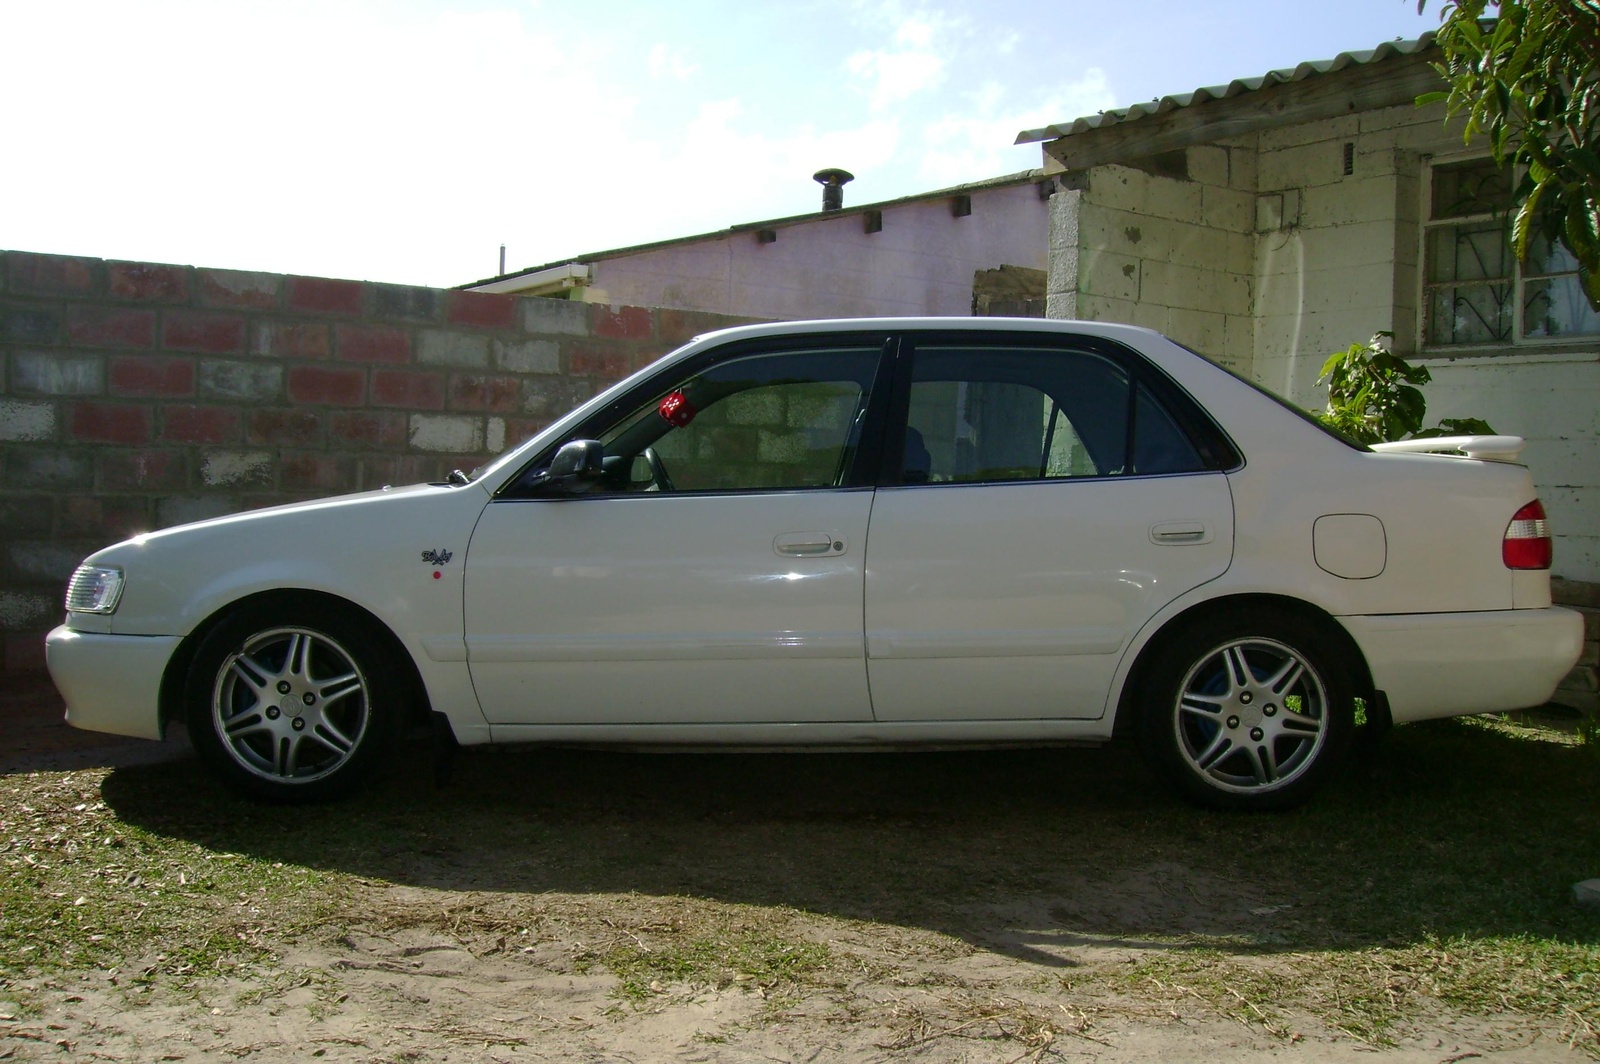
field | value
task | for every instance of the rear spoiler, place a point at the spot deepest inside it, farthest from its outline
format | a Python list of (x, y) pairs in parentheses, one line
[(1484, 448)]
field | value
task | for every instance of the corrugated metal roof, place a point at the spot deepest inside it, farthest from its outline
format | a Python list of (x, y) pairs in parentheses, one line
[(1311, 69)]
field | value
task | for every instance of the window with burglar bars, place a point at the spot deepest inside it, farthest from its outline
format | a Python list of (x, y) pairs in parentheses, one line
[(1475, 292)]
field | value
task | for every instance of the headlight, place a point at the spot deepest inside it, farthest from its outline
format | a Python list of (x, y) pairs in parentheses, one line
[(94, 589)]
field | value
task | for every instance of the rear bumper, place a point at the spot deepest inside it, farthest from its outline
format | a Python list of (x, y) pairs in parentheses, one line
[(1454, 664), (111, 683)]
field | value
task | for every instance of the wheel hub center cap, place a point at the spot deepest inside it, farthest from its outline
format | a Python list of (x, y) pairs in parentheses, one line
[(291, 705)]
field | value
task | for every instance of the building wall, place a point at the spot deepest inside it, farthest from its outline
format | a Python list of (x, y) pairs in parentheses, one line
[(1172, 255), (1332, 259), (921, 262), (135, 395)]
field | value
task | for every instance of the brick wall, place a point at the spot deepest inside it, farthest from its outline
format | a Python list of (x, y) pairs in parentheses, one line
[(137, 395)]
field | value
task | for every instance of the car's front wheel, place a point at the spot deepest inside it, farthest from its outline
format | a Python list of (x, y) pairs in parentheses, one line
[(1248, 711), (292, 702)]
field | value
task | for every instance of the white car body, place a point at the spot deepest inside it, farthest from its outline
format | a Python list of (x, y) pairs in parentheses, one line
[(891, 613)]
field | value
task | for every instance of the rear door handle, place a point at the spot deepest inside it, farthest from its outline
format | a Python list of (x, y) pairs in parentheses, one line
[(808, 545), (1172, 533)]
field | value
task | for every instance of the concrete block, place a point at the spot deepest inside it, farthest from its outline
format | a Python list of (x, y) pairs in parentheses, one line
[(446, 433), (527, 356), (1202, 330), (1228, 209), (240, 380), (44, 469), (1208, 164), (50, 373), (1109, 274), (237, 469), (235, 288), (494, 440), (444, 348), (559, 317)]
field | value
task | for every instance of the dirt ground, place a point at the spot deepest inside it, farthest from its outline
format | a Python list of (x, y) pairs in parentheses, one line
[(439, 966)]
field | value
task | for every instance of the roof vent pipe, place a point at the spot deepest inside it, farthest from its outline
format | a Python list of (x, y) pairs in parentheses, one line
[(832, 182)]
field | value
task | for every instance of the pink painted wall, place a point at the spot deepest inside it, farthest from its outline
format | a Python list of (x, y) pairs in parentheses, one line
[(921, 263)]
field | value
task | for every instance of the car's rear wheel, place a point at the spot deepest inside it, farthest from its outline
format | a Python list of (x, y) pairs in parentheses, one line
[(1248, 711), (292, 701)]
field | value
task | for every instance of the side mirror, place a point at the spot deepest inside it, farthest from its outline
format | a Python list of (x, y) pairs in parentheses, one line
[(576, 467)]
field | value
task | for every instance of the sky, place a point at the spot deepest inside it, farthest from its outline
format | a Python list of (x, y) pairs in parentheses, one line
[(407, 140)]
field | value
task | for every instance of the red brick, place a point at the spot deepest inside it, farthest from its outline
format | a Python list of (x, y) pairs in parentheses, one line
[(104, 327), (378, 470), (473, 391), (282, 340), (622, 323), (321, 295), (147, 281), (151, 375), (523, 428), (143, 470), (104, 517), (212, 334), (327, 386), (372, 343), (375, 429), (300, 427), (234, 288), (591, 361), (50, 274), (487, 309), (200, 424), (321, 472), (109, 423), (408, 388)]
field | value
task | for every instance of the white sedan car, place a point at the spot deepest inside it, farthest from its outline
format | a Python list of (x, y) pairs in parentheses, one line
[(866, 532)]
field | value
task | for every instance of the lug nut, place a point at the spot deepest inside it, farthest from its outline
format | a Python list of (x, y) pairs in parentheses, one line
[(272, 713), (1233, 722), (1270, 709), (309, 699), (299, 724), (1245, 699), (283, 687), (1255, 733)]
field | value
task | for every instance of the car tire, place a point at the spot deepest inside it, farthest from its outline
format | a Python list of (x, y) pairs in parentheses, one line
[(1247, 710), (293, 700)]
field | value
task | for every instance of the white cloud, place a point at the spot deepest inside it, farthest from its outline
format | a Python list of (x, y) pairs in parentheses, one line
[(915, 62), (667, 62), (977, 141)]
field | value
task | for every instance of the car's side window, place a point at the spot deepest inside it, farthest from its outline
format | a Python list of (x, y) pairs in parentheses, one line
[(757, 423), (1001, 414)]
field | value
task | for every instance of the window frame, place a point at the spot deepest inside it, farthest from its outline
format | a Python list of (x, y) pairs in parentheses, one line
[(1518, 343), (1216, 450), (523, 486)]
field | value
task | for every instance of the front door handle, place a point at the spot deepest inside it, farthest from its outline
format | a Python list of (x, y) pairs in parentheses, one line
[(809, 545)]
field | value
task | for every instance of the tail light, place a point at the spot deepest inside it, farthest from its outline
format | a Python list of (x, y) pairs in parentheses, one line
[(1527, 540)]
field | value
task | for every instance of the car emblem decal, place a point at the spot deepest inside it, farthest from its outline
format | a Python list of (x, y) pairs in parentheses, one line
[(437, 557)]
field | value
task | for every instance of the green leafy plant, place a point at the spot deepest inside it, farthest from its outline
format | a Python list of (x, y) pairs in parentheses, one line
[(1528, 81), (1374, 395)]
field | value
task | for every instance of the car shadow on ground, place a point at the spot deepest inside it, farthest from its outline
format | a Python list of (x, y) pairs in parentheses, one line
[(1449, 829)]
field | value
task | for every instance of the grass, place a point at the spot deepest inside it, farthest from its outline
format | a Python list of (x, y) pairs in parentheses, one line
[(1434, 876)]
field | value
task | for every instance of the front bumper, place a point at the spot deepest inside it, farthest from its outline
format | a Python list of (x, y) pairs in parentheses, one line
[(111, 683), (1454, 664)]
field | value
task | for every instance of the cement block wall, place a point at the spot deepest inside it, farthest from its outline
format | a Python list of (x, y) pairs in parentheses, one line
[(1176, 256), (1327, 259), (135, 396)]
